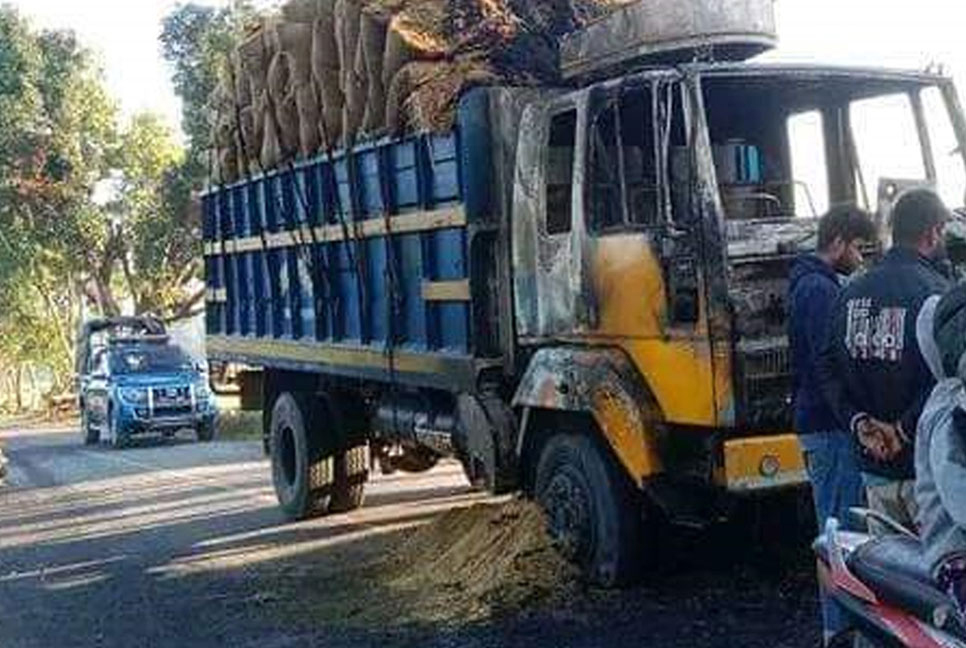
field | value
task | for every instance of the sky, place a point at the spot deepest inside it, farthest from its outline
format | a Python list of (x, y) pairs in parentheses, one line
[(895, 33)]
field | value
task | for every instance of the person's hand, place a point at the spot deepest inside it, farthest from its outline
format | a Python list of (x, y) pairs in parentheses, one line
[(879, 439)]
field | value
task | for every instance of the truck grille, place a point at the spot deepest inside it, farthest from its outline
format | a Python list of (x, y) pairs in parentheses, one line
[(764, 383)]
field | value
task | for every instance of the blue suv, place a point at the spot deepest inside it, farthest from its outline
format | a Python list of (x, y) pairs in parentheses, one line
[(144, 387)]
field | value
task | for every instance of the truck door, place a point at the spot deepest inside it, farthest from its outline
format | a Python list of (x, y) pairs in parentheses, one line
[(546, 196)]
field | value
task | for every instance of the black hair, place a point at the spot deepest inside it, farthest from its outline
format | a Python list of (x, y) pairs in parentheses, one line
[(915, 213), (847, 222)]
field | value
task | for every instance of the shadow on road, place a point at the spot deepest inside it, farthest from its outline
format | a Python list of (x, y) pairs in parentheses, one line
[(182, 545)]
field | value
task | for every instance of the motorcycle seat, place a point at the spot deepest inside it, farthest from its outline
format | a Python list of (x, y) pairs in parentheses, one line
[(894, 568)]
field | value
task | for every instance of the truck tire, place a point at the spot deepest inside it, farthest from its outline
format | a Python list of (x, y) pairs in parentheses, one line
[(592, 511), (301, 471), (351, 474), (92, 435)]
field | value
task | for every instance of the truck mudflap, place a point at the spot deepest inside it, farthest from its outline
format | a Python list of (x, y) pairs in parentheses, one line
[(761, 463), (604, 383)]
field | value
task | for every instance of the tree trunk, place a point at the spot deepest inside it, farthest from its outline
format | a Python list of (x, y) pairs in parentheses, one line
[(17, 391)]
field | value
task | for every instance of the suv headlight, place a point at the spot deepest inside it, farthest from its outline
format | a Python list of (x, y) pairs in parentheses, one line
[(134, 395), (202, 393)]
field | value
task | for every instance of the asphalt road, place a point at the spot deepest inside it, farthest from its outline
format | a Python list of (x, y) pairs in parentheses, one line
[(180, 544)]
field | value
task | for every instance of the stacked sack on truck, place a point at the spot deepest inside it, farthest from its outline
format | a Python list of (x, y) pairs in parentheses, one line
[(325, 73)]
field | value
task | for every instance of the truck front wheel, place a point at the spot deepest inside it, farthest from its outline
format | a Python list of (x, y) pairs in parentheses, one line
[(301, 471), (592, 512)]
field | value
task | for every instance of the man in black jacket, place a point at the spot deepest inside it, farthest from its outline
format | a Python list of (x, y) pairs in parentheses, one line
[(871, 371), (814, 284)]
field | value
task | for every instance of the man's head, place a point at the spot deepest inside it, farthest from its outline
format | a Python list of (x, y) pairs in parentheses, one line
[(918, 219), (841, 233)]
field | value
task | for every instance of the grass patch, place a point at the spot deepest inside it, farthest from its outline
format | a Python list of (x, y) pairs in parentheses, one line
[(239, 425)]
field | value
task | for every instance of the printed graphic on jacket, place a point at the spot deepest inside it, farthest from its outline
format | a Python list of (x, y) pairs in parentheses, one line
[(871, 335)]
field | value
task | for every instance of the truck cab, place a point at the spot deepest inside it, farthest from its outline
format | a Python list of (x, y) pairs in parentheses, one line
[(656, 216)]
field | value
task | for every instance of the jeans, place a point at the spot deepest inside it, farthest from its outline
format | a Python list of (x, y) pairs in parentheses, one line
[(836, 487)]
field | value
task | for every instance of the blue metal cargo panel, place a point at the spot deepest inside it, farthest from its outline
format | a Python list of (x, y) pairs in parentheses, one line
[(350, 258)]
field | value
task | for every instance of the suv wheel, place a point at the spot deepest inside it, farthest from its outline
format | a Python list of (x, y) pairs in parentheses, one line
[(90, 434)]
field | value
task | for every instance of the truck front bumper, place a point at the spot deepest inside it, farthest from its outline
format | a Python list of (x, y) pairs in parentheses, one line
[(761, 463)]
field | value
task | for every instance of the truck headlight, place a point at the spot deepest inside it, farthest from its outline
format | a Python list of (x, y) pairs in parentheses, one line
[(134, 395)]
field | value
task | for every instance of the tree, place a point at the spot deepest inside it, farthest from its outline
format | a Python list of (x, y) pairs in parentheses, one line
[(156, 219), (197, 41), (56, 125)]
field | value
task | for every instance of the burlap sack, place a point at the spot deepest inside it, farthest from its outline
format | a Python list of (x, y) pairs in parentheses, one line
[(271, 149), (397, 54), (280, 81), (253, 59), (295, 40), (347, 14), (223, 134), (307, 104), (243, 88), (325, 47), (227, 165), (287, 120), (357, 93), (372, 38), (300, 11), (325, 69), (250, 142), (332, 102)]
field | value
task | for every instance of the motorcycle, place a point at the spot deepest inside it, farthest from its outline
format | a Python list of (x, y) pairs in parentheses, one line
[(885, 589)]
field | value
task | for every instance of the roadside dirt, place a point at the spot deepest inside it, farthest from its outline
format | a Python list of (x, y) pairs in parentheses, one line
[(468, 564)]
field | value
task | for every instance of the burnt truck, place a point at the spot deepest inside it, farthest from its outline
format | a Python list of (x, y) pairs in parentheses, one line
[(578, 292)]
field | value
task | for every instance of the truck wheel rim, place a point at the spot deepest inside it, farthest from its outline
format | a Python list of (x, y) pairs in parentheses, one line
[(567, 505)]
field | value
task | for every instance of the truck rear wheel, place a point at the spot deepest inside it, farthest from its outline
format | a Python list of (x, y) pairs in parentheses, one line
[(592, 512), (351, 474), (301, 471)]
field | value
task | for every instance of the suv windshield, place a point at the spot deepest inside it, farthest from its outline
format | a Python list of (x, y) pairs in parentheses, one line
[(149, 359)]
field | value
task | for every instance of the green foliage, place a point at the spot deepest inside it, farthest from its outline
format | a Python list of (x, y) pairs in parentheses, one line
[(154, 209), (196, 41), (60, 250)]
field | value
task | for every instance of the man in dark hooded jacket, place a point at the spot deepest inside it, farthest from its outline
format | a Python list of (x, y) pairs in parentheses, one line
[(872, 372), (829, 455)]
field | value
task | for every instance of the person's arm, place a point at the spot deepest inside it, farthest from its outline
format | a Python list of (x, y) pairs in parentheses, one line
[(910, 418), (814, 306), (947, 458), (829, 370), (927, 365)]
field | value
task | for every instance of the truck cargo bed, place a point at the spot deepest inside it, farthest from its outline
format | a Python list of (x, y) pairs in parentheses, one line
[(359, 262)]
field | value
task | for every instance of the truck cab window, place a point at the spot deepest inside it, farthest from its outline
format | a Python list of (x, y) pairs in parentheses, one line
[(806, 144), (886, 142), (623, 176), (950, 179), (560, 169)]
